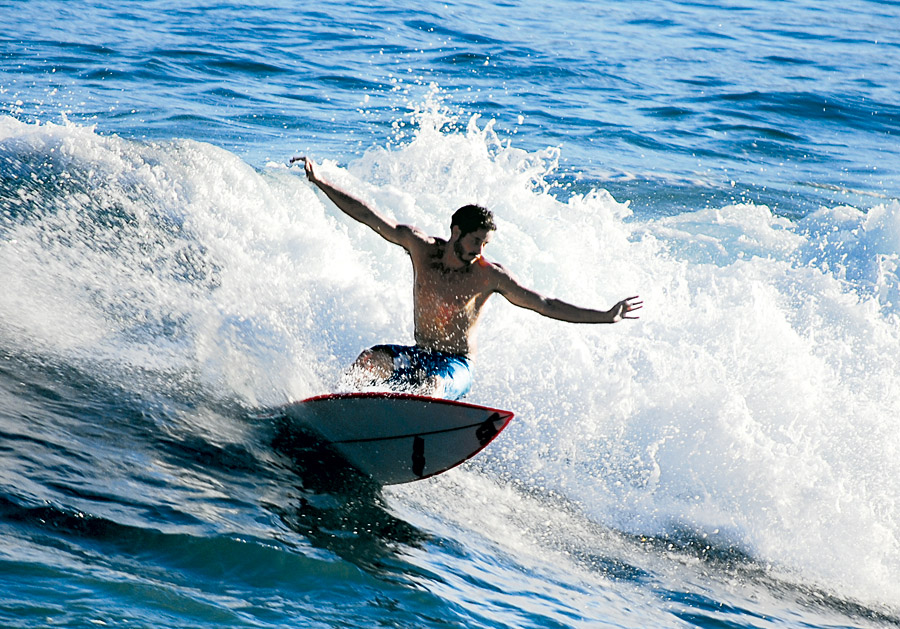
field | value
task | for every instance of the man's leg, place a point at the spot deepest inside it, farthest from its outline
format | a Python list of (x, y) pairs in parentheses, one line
[(375, 363), (372, 368)]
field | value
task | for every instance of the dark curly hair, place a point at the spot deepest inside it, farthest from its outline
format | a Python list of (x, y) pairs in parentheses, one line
[(471, 218)]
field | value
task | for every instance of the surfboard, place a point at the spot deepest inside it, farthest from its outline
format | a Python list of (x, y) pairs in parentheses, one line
[(395, 437)]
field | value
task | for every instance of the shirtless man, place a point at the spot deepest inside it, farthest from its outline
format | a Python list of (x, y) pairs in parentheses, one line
[(453, 281)]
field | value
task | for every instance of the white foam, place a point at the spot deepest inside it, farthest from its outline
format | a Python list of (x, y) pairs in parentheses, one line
[(755, 401)]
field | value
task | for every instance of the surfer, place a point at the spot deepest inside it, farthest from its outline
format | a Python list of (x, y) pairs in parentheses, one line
[(452, 282)]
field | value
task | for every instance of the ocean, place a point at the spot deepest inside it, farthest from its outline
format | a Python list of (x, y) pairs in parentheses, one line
[(168, 280)]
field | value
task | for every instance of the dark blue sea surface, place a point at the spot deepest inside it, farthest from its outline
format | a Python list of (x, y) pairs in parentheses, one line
[(167, 280)]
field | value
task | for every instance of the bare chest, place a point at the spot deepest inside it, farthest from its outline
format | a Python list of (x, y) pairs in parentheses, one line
[(436, 283)]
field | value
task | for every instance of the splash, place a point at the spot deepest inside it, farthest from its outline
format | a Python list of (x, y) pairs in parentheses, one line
[(175, 260), (753, 405)]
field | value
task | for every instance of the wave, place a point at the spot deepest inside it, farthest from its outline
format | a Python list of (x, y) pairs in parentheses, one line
[(753, 405)]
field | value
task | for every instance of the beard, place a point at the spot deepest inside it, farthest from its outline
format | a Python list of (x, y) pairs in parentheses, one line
[(461, 253)]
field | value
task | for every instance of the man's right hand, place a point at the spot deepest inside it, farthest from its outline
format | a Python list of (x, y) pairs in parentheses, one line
[(309, 166)]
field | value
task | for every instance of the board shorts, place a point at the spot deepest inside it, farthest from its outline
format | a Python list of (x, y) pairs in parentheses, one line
[(413, 364)]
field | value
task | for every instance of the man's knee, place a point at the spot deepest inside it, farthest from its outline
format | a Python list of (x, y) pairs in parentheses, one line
[(376, 361)]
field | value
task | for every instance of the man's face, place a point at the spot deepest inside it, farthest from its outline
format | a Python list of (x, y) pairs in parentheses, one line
[(468, 247)]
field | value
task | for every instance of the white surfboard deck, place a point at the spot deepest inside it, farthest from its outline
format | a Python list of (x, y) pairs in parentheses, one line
[(398, 438)]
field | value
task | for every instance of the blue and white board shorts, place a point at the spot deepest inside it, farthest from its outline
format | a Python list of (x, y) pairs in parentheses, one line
[(412, 363)]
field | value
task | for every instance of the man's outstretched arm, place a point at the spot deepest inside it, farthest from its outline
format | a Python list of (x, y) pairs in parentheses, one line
[(523, 297), (356, 209)]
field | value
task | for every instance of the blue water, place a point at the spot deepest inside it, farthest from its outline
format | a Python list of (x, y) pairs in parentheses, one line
[(729, 460)]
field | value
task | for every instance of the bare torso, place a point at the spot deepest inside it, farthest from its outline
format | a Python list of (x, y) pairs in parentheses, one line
[(448, 301)]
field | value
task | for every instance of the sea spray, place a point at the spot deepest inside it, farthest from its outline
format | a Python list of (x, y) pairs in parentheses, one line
[(160, 258), (754, 402), (752, 405)]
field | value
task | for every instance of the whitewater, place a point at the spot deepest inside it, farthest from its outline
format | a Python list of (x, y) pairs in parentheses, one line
[(732, 458)]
